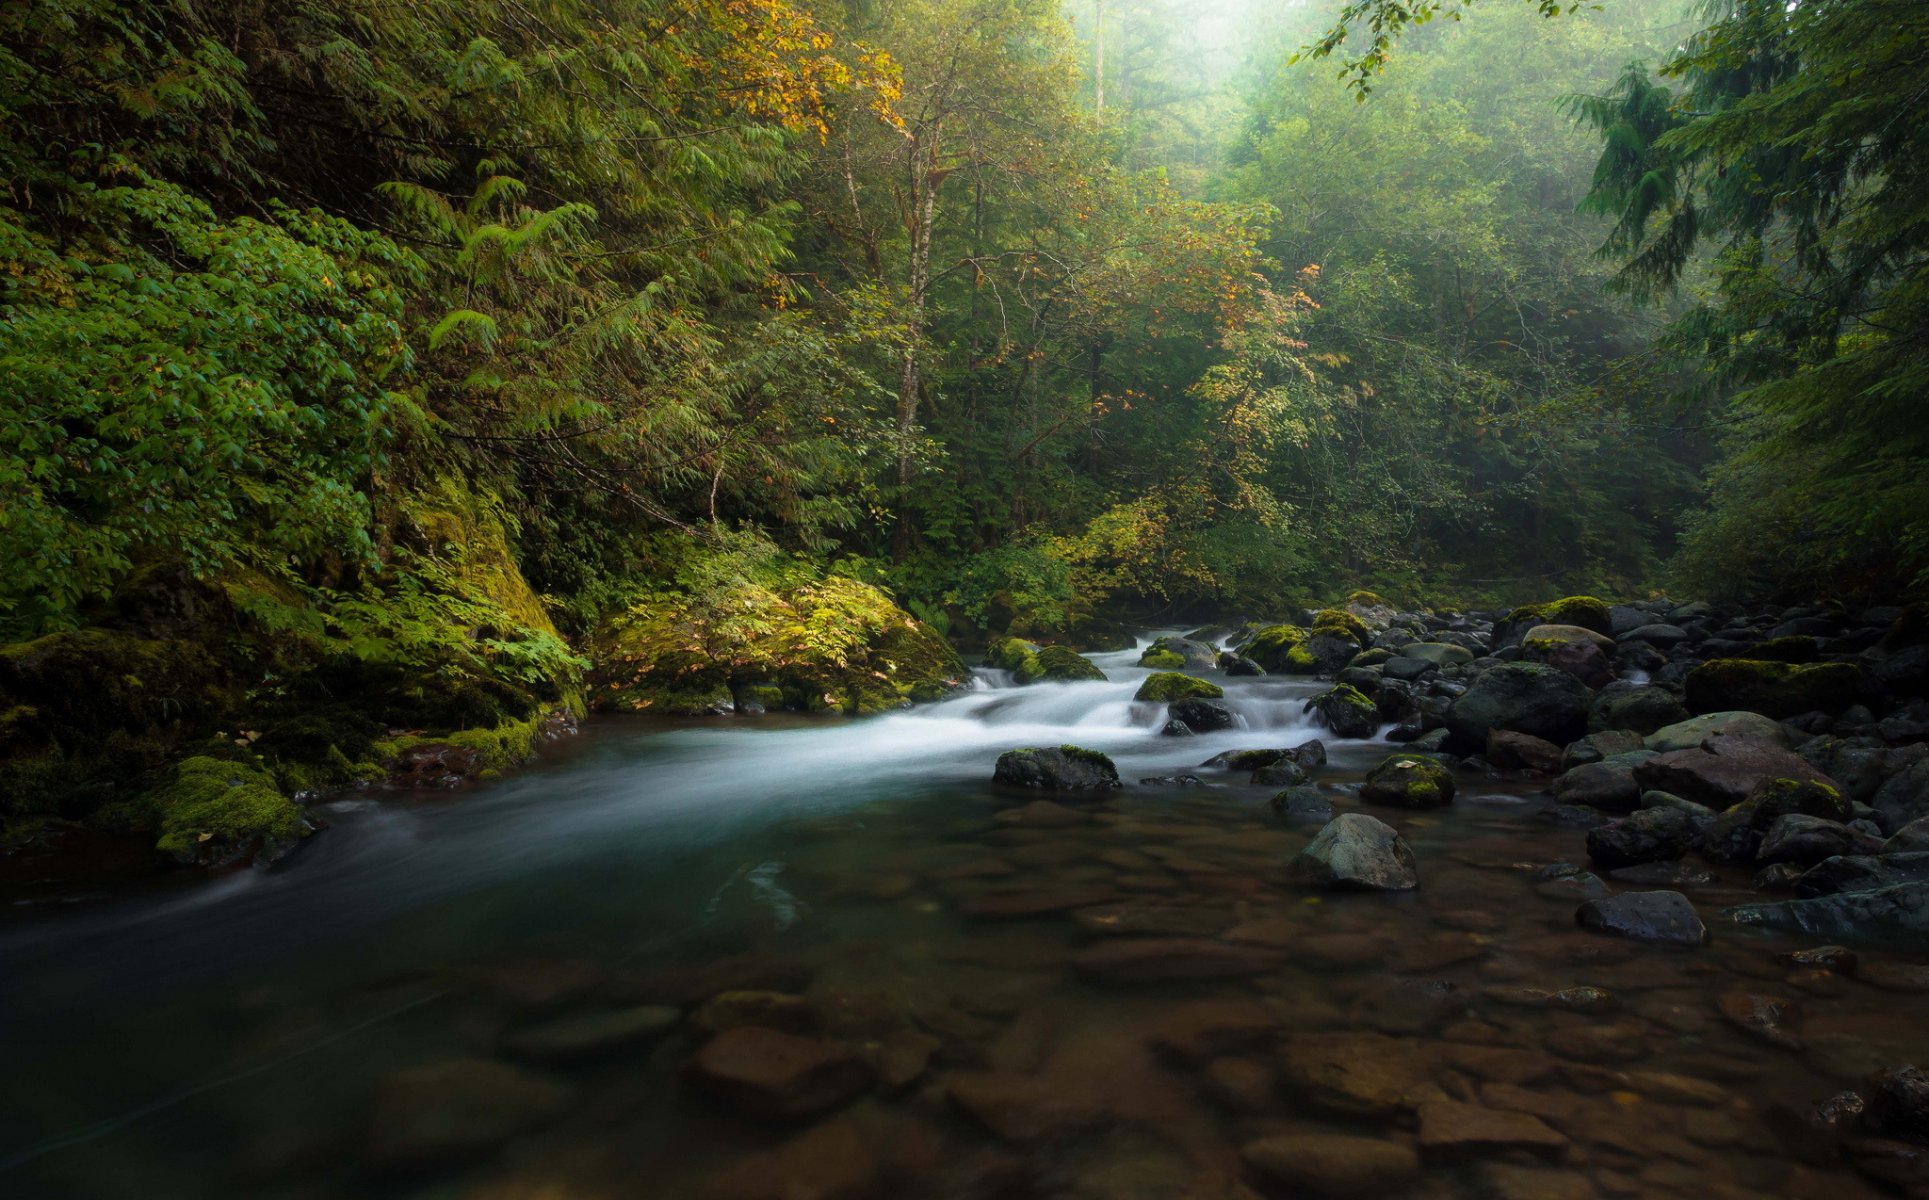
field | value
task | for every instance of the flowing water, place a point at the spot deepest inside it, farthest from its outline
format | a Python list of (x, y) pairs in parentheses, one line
[(246, 1038)]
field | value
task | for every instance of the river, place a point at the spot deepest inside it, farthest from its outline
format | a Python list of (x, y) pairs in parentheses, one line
[(236, 1039)]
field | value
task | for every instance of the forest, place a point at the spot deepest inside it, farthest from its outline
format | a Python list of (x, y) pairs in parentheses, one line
[(393, 391)]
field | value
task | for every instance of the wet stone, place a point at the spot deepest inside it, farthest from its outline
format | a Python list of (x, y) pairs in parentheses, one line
[(774, 1010), (1152, 919), (1452, 1132), (592, 1035), (1239, 1085), (901, 1058), (1354, 1074), (1572, 999), (1666, 918), (1894, 976), (769, 1073), (1337, 1166), (1765, 1018), (1023, 1107), (1596, 1044), (1152, 960), (1017, 903), (1042, 813), (1506, 1181), (1662, 875), (1206, 1029), (459, 1110), (829, 1162), (1898, 1104), (1356, 852)]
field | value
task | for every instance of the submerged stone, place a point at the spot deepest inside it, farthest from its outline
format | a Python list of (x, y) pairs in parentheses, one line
[(1668, 918), (1359, 852)]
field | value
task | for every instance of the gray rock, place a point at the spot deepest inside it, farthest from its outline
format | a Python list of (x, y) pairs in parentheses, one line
[(1440, 654), (1642, 707), (1198, 655), (1863, 873), (1663, 636), (1356, 851), (1905, 797), (1204, 716), (1913, 836), (1284, 773), (1665, 918), (1806, 841), (1684, 735), (1598, 746), (1525, 697), (1408, 669), (1887, 914), (1724, 771), (1303, 804), (1701, 813), (1609, 785), (1651, 835), (1056, 768)]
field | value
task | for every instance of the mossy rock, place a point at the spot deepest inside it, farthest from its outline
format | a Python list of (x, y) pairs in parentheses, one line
[(1775, 689), (1797, 649), (213, 812), (1588, 612), (1056, 768), (1162, 660), (1347, 711), (1339, 621), (1060, 665), (1270, 646), (1016, 655), (1168, 686), (1408, 781)]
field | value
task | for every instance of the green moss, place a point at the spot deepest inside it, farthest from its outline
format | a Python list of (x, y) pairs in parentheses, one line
[(212, 811), (1061, 665), (1300, 661), (1779, 798), (1161, 659), (1409, 781), (1270, 646), (1168, 686), (1585, 611), (1774, 689), (1796, 649), (1367, 599), (1016, 655), (1370, 658), (1339, 621)]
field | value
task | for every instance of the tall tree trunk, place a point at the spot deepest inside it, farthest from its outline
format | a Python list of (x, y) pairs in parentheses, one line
[(925, 180)]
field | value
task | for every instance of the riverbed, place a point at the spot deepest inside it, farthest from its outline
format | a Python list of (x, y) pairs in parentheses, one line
[(275, 1033)]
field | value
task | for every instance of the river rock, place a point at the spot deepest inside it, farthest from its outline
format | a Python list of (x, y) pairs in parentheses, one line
[(1180, 654), (1898, 1104), (1284, 773), (1358, 852), (1238, 665), (787, 1011), (592, 1035), (1764, 1018), (1333, 1165), (1905, 797), (1346, 711), (1598, 746), (1355, 1074), (1202, 1029), (1641, 708), (830, 1162), (1666, 918), (1304, 803), (1609, 785), (1725, 771), (1024, 1107), (773, 1074), (1775, 689), (1512, 750), (459, 1110), (1440, 654), (1056, 768), (1649, 836), (1911, 838), (1408, 781), (1806, 841), (1204, 716), (1529, 698), (1892, 913), (1152, 960), (1452, 1132), (1862, 873), (1686, 735)]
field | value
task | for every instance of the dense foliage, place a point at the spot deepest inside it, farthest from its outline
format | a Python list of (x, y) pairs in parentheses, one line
[(429, 352)]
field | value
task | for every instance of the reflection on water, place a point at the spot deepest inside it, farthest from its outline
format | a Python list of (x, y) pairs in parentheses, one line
[(501, 994)]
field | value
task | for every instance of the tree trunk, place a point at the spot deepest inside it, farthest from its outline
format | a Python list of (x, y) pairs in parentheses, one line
[(925, 180)]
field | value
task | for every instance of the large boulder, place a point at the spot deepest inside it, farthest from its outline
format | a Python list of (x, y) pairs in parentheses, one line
[(1650, 835), (1899, 913), (1510, 750), (1356, 852), (1525, 697), (1725, 771), (1059, 664), (1735, 835), (1776, 689), (1805, 840), (1203, 716), (1905, 796), (1408, 781), (1179, 654), (1570, 648), (1346, 711), (1608, 785), (1686, 735), (1642, 707), (1164, 687), (1056, 768)]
